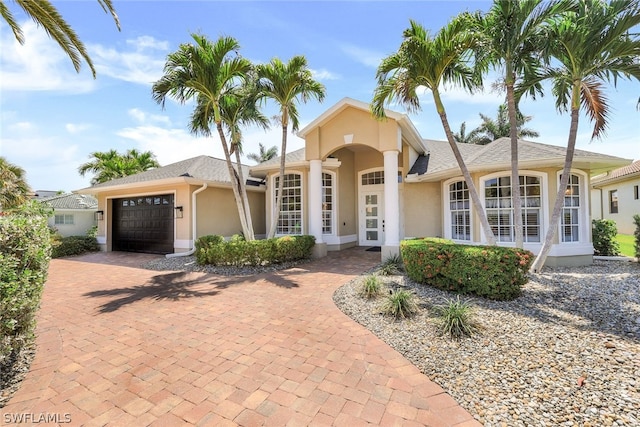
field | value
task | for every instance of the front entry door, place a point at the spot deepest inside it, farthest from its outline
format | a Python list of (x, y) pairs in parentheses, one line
[(371, 218)]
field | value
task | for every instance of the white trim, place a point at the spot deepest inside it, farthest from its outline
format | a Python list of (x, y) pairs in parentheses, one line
[(182, 244), (447, 211), (334, 204), (391, 199), (571, 249), (544, 202), (273, 186), (339, 240), (583, 225)]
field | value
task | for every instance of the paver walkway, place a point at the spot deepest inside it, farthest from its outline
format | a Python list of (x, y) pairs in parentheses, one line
[(121, 345)]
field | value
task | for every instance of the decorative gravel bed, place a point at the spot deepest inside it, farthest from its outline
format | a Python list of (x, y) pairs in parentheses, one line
[(567, 352), (188, 263)]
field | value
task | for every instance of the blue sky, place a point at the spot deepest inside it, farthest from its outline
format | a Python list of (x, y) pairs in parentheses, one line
[(52, 118)]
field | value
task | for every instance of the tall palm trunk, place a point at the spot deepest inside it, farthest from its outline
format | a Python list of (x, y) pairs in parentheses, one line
[(283, 151), (516, 197), (245, 197), (234, 184), (538, 263), (477, 204)]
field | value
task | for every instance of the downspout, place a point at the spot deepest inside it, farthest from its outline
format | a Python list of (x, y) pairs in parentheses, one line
[(193, 224)]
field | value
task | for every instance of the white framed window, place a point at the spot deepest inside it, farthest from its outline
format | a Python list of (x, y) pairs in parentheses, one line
[(570, 219), (291, 212), (574, 221), (328, 202), (499, 209), (63, 219), (613, 201), (459, 211)]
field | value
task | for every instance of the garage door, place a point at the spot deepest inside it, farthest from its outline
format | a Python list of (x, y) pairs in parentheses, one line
[(143, 224)]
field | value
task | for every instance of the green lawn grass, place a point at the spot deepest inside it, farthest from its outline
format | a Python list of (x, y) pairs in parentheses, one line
[(627, 243)]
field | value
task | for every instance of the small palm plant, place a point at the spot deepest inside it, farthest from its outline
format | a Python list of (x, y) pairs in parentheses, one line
[(400, 304), (391, 266), (371, 287), (456, 318)]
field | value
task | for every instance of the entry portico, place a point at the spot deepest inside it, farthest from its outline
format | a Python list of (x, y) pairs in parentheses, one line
[(354, 166)]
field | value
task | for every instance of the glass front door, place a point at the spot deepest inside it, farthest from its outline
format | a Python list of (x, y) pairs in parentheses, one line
[(371, 218)]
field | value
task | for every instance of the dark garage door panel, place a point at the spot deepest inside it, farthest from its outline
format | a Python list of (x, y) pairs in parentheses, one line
[(143, 224)]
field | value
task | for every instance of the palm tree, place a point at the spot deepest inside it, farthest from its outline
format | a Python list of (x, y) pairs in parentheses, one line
[(264, 154), (110, 164), (513, 30), (462, 137), (492, 129), (287, 84), (426, 61), (239, 108), (592, 46), (45, 15), (208, 72), (13, 186)]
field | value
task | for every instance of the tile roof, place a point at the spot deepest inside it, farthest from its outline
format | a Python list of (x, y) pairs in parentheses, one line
[(632, 169), (498, 152), (71, 201), (204, 168), (291, 157)]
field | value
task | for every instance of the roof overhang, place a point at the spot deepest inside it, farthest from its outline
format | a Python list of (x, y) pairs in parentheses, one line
[(594, 164), (163, 183)]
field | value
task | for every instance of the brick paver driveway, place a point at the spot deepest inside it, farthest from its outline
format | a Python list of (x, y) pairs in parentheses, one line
[(121, 345)]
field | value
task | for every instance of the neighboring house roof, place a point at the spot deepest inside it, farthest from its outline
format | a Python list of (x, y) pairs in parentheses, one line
[(497, 154), (199, 169), (71, 202), (621, 174)]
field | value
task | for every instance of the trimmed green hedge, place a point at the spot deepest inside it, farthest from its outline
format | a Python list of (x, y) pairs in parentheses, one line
[(238, 252), (74, 245), (604, 237), (492, 272), (25, 251)]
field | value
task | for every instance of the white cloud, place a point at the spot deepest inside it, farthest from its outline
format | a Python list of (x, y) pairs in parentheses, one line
[(145, 118), (367, 57), (38, 65), (171, 145), (148, 42), (324, 74), (21, 127), (74, 128), (142, 65)]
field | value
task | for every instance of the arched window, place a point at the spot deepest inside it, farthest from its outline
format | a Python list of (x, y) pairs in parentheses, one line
[(290, 218)]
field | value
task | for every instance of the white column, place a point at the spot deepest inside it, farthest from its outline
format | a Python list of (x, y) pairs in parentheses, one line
[(391, 199), (315, 199)]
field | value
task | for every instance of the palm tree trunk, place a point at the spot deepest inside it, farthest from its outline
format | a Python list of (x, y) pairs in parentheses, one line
[(516, 197), (486, 228), (278, 203), (538, 263), (245, 198), (234, 183)]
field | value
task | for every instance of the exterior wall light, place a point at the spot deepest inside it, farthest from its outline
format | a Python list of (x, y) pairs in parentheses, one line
[(99, 215), (178, 211)]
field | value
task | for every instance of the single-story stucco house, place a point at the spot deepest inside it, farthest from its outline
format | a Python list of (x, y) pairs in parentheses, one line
[(616, 195), (357, 182), (73, 214)]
